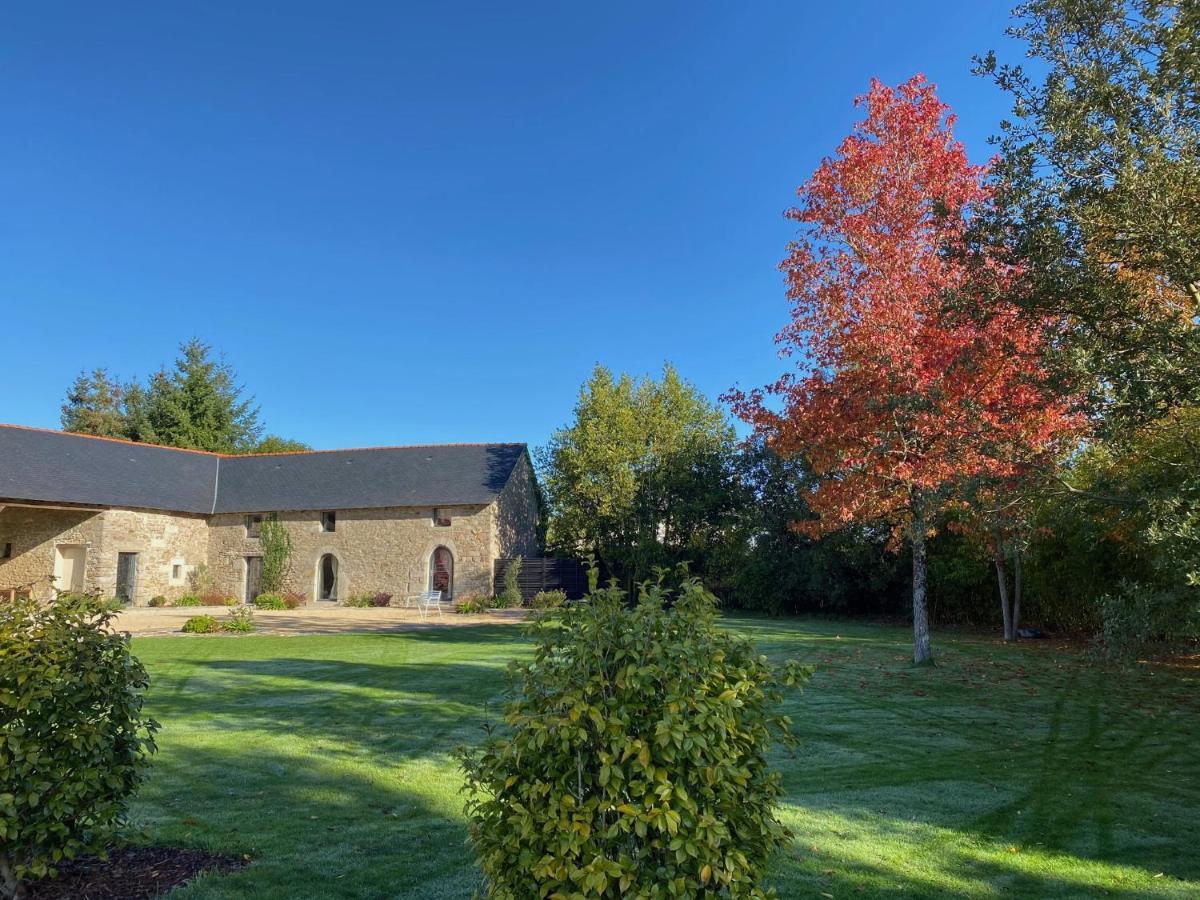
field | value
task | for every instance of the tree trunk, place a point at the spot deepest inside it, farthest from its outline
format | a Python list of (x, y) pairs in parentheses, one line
[(1002, 581), (921, 651), (9, 886), (1016, 605)]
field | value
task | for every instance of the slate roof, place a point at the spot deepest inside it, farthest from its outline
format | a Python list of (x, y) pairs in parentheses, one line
[(444, 475), (58, 467)]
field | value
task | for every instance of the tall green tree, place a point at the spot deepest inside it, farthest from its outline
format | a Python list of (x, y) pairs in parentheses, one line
[(1099, 190), (96, 404), (641, 477), (198, 403), (1099, 185)]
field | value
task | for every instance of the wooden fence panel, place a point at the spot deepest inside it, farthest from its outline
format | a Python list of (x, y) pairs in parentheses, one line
[(544, 575)]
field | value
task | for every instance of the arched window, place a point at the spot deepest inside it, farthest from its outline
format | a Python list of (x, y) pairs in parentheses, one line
[(441, 572), (327, 577)]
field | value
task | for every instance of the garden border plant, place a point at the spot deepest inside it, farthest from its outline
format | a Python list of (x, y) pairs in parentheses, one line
[(277, 552), (634, 762), (74, 743)]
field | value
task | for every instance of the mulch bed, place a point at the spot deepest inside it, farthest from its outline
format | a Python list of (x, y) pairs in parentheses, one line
[(130, 873)]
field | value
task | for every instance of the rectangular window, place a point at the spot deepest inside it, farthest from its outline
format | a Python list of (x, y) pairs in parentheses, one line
[(329, 521), (253, 525), (441, 519), (7, 554), (176, 572)]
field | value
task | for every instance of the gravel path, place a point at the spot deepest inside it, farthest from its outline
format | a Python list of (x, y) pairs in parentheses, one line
[(311, 620)]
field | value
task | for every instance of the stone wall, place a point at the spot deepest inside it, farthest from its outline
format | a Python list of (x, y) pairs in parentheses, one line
[(161, 540), (516, 514), (34, 533), (376, 549), (169, 547)]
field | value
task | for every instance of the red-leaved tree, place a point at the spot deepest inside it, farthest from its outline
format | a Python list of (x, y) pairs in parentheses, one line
[(915, 376)]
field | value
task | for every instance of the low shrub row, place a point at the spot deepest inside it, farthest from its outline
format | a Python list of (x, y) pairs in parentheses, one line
[(470, 604), (239, 621), (286, 600), (378, 599), (208, 598)]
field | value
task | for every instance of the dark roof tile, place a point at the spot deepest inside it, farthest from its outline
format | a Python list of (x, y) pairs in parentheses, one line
[(58, 467)]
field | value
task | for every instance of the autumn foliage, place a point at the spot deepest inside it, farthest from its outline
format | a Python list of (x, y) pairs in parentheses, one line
[(916, 374)]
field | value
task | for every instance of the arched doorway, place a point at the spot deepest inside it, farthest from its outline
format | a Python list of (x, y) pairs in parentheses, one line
[(441, 572), (327, 577)]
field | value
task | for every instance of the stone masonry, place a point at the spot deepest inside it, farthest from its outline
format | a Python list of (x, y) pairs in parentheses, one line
[(168, 545), (386, 549)]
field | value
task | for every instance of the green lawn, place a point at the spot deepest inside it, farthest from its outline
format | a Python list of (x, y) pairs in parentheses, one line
[(1003, 772)]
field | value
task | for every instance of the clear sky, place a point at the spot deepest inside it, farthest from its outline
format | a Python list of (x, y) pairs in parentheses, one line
[(410, 223)]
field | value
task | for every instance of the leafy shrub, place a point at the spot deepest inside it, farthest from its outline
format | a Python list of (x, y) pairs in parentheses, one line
[(270, 601), (187, 600), (200, 580), (549, 599), (471, 604), (636, 761), (158, 600), (73, 740), (1135, 615), (201, 625), (276, 542), (217, 598), (369, 599), (511, 595), (240, 621), (294, 599)]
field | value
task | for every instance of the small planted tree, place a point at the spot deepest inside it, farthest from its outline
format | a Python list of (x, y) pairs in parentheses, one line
[(916, 375), (276, 544), (511, 595), (73, 740), (635, 760)]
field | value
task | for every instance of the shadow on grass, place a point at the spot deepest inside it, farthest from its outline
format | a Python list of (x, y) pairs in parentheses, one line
[(312, 827), (996, 771)]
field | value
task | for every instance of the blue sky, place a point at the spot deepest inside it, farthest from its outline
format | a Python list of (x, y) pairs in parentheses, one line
[(413, 223)]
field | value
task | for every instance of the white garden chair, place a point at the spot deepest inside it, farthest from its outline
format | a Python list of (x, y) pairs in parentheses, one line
[(429, 600)]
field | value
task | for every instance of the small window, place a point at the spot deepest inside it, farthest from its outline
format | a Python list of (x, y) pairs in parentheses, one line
[(441, 519), (176, 572), (253, 526), (7, 554), (329, 521)]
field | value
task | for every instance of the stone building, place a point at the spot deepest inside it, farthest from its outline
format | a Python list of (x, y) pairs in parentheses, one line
[(137, 520)]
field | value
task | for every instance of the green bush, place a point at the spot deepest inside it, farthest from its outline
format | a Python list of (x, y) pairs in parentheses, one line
[(201, 625), (158, 600), (511, 597), (240, 621), (635, 761), (294, 599), (549, 599), (187, 600), (1135, 615), (217, 598), (73, 740), (270, 601), (471, 604), (358, 601), (276, 542)]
